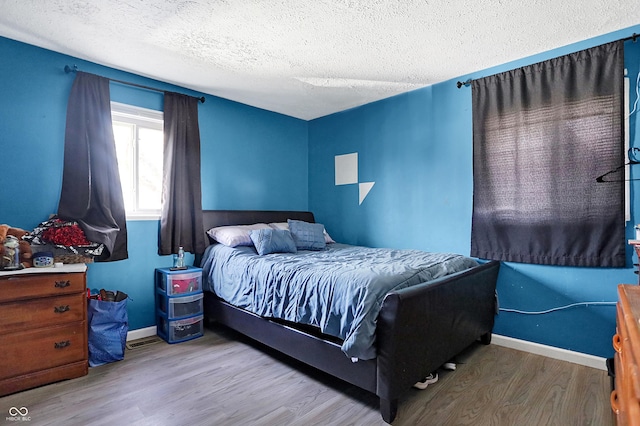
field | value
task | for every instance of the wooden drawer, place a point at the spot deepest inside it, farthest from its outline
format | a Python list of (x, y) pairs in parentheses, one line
[(625, 399), (20, 287), (43, 377), (615, 394), (42, 312), (42, 348)]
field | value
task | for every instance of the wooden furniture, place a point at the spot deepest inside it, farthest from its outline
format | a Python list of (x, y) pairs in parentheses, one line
[(625, 399), (418, 328), (44, 329)]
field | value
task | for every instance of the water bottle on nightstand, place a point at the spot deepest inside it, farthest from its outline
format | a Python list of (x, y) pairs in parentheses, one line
[(180, 258)]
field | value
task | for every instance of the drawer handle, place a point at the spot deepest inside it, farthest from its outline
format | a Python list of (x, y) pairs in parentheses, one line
[(61, 309), (614, 402), (63, 284), (62, 345), (617, 344)]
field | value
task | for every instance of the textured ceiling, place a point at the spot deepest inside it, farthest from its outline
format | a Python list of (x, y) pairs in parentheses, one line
[(310, 58)]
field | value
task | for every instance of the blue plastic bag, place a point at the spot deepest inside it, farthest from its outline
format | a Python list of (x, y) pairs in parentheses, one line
[(108, 327)]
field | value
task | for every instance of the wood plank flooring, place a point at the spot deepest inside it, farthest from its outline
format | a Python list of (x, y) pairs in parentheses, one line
[(226, 379)]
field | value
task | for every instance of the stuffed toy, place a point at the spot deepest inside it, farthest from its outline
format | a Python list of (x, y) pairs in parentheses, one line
[(3, 232), (24, 246)]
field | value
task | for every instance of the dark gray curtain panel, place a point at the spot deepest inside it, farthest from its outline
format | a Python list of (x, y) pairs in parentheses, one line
[(181, 217), (91, 192), (541, 136)]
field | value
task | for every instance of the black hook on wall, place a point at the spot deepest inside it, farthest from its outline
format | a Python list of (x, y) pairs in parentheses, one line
[(463, 83)]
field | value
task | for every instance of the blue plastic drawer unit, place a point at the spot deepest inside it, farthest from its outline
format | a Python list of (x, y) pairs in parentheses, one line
[(180, 282), (180, 330), (179, 306)]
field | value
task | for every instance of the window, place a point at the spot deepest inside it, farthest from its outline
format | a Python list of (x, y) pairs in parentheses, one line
[(139, 139)]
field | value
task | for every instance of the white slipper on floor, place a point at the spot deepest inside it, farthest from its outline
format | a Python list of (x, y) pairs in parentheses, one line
[(449, 366), (429, 380)]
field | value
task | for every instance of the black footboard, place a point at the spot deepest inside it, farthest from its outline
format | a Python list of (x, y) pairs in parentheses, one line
[(422, 327), (418, 330)]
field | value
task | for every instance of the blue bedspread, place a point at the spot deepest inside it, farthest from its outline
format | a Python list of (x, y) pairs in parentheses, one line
[(339, 289)]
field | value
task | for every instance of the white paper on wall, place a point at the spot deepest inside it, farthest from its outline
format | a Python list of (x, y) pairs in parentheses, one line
[(346, 169), (364, 189)]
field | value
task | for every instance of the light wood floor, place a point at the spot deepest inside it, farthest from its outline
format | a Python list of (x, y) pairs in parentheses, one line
[(224, 379)]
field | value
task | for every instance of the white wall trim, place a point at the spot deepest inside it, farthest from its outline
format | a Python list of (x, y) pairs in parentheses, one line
[(508, 342), (551, 352), (141, 333)]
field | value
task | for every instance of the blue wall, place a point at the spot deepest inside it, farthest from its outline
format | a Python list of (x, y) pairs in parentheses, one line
[(251, 158), (417, 148)]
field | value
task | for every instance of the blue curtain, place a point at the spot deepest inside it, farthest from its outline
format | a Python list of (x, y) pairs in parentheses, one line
[(91, 192)]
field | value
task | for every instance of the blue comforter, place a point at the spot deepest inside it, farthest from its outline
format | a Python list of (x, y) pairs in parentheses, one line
[(339, 289)]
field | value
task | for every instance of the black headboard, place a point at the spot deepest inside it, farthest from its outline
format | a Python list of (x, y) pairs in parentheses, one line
[(213, 218)]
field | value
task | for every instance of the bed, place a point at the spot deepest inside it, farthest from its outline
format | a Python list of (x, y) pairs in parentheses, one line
[(417, 328)]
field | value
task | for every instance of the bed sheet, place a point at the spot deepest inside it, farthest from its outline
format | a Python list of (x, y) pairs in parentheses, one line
[(339, 289)]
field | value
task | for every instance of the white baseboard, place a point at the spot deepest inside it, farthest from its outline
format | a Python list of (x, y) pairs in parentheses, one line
[(141, 333), (508, 342), (550, 351)]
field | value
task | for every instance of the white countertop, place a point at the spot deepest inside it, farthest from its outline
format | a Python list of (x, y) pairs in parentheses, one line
[(64, 269)]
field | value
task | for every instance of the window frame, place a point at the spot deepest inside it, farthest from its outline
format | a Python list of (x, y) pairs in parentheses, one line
[(139, 117)]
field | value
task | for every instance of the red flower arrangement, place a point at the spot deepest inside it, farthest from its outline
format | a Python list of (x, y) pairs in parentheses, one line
[(65, 234)]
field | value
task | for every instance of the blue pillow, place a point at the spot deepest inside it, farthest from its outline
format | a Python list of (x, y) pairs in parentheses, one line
[(272, 241), (307, 236)]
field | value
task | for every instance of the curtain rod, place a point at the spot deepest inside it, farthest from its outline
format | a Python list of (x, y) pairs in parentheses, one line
[(69, 69), (459, 84)]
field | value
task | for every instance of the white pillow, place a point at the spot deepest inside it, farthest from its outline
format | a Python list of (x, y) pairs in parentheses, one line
[(279, 225), (235, 235), (285, 226)]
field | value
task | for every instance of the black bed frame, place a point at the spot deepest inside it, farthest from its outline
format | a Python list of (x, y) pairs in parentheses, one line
[(418, 329)]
